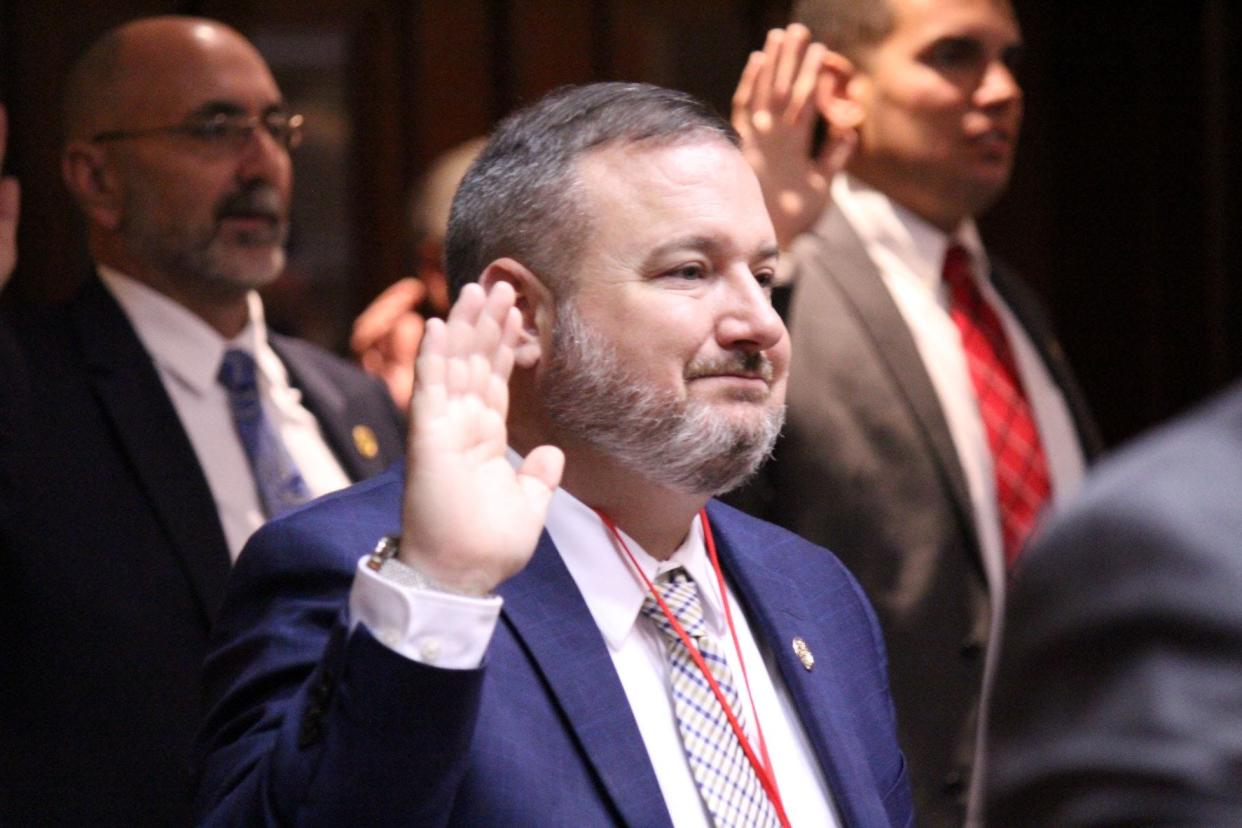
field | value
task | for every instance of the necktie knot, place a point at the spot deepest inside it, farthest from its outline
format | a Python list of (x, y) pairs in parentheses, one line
[(957, 277), (682, 598), (237, 371)]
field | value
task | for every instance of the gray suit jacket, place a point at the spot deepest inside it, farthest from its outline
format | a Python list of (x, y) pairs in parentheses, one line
[(1118, 700), (866, 466)]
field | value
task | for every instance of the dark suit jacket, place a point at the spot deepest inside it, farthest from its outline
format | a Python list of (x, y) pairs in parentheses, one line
[(1118, 700), (113, 562), (866, 466), (313, 726)]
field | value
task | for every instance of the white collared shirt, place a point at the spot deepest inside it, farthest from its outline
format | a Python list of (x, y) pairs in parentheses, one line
[(417, 622), (187, 353)]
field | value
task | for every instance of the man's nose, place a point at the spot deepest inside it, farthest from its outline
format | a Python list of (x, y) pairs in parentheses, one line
[(999, 86), (262, 156), (749, 321)]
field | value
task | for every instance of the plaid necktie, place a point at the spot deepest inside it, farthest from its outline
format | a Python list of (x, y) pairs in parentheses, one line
[(276, 476), (1022, 483), (727, 781)]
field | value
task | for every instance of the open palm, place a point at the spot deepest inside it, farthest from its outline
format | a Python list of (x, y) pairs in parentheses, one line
[(470, 520)]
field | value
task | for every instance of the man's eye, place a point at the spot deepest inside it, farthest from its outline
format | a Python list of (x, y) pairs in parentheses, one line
[(765, 277), (954, 53), (689, 272), (216, 129)]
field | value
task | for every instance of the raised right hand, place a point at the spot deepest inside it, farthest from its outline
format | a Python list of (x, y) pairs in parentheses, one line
[(470, 520), (774, 110)]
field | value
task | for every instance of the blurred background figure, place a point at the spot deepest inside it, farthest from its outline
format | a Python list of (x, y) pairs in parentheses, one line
[(160, 421), (1118, 700), (385, 336), (10, 204), (932, 415)]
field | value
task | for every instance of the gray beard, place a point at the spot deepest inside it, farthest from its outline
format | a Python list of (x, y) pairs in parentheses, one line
[(686, 445), (203, 261)]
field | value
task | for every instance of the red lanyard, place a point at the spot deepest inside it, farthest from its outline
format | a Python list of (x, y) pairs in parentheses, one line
[(762, 769)]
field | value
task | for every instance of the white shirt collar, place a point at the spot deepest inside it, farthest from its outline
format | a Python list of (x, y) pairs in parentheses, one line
[(614, 593), (884, 224), (181, 343)]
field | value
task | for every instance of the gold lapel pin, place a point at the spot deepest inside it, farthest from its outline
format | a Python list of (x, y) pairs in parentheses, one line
[(803, 653), (365, 442)]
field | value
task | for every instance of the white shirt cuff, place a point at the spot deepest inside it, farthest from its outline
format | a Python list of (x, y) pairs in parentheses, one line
[(436, 628)]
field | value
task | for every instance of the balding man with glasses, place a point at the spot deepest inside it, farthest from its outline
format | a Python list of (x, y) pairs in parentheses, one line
[(161, 423)]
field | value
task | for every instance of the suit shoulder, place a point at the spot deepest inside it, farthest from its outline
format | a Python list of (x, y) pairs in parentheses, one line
[(1183, 470), (1162, 511), (756, 533), (300, 354)]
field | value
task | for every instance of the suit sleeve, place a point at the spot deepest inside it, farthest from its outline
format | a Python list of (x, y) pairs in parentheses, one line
[(1118, 692), (310, 724)]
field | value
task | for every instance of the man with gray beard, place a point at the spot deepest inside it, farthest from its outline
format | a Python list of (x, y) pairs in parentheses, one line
[(588, 390), (559, 625), (158, 423)]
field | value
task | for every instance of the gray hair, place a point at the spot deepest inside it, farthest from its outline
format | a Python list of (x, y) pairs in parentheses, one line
[(520, 198)]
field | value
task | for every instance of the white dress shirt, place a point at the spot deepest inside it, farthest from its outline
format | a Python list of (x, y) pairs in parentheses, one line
[(187, 353), (454, 631)]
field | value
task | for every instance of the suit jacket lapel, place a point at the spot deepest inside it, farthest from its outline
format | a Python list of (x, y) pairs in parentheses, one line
[(842, 258), (766, 583), (545, 611), (337, 413), (133, 397)]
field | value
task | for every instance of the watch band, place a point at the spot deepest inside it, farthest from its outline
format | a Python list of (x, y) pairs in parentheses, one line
[(383, 560)]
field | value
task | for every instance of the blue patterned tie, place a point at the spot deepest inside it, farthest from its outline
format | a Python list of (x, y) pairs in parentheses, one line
[(276, 476), (727, 781)]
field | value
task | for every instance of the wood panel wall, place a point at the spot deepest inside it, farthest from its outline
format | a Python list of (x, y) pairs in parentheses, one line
[(1123, 212)]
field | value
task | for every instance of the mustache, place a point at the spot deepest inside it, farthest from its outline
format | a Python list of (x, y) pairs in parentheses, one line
[(258, 199), (745, 363)]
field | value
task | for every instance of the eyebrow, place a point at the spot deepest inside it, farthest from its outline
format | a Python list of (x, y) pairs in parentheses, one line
[(706, 245), (210, 109)]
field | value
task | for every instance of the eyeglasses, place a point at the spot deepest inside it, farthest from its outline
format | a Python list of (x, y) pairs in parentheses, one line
[(222, 130)]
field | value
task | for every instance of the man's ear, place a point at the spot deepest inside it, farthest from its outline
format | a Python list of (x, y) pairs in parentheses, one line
[(837, 92), (534, 301), (90, 180)]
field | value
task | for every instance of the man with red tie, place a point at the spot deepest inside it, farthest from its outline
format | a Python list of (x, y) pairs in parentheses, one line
[(931, 413)]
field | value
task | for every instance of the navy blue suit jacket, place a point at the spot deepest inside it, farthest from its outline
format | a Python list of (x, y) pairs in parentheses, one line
[(313, 726), (113, 560)]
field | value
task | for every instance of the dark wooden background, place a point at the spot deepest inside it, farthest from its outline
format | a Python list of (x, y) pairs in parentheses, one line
[(1123, 211)]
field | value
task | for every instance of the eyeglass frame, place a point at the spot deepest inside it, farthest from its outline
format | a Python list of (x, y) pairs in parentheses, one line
[(237, 128)]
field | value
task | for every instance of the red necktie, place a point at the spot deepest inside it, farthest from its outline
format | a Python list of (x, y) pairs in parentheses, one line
[(1022, 485)]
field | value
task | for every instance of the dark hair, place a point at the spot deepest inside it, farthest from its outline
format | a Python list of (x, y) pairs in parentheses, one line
[(850, 27), (520, 196)]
